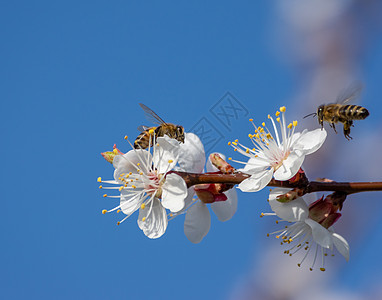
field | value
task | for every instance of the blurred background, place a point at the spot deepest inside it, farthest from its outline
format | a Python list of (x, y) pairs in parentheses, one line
[(72, 74)]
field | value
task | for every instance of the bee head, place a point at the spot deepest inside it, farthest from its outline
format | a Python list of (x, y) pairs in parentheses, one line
[(180, 133), (320, 114)]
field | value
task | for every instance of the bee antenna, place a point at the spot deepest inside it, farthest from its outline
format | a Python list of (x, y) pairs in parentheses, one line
[(312, 114)]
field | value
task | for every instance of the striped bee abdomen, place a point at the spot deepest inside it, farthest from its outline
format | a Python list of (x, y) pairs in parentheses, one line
[(353, 112)]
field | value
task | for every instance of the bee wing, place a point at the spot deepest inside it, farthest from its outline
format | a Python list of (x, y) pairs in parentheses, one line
[(143, 128), (151, 116), (350, 93)]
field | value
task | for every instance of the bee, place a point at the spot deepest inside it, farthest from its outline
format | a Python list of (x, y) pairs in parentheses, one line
[(341, 112), (146, 138)]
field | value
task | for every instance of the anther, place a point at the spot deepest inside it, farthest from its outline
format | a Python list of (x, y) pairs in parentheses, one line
[(125, 137), (118, 211), (290, 125), (294, 123), (99, 179), (277, 113), (104, 211), (229, 143), (118, 223), (261, 215), (105, 195), (151, 131), (170, 161), (278, 120), (229, 158), (143, 219), (282, 109), (143, 206), (100, 186), (250, 120), (322, 269), (115, 151)]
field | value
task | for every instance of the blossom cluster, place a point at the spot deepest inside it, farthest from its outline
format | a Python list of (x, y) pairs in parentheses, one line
[(149, 181)]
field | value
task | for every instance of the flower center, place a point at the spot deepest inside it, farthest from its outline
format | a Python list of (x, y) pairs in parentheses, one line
[(279, 161), (153, 185)]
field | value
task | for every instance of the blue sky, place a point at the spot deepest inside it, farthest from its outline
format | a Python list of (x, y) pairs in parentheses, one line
[(72, 75)]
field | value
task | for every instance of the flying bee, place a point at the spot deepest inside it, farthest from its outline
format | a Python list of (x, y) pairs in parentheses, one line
[(341, 112), (148, 134)]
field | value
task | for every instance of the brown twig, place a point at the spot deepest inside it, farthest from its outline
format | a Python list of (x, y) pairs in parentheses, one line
[(309, 187)]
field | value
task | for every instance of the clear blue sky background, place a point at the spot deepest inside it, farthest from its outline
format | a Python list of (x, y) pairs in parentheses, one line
[(71, 76)]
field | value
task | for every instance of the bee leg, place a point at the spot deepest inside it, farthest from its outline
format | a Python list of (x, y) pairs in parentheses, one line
[(334, 127), (347, 126)]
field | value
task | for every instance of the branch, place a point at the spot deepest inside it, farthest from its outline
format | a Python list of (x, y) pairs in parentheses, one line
[(309, 187)]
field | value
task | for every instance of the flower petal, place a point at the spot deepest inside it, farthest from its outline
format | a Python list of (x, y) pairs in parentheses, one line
[(310, 141), (341, 245), (128, 162), (130, 202), (321, 235), (294, 211), (197, 222), (165, 155), (290, 167), (174, 191), (254, 165), (155, 223), (257, 181), (225, 210), (191, 154)]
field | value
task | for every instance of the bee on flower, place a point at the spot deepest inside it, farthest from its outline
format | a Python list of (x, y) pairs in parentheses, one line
[(145, 183), (309, 227), (277, 154)]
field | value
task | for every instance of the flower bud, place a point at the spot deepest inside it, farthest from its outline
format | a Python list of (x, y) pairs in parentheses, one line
[(210, 193), (109, 155), (221, 164)]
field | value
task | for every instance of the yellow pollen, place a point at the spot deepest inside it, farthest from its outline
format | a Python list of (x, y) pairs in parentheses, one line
[(143, 206), (250, 135), (322, 269), (247, 150), (100, 186), (115, 151), (256, 131), (250, 120), (105, 195), (263, 124), (282, 109), (234, 143), (99, 179), (269, 116), (121, 188), (138, 164), (277, 113), (104, 211), (170, 161), (229, 158), (125, 137), (236, 140), (278, 120), (143, 219), (151, 131), (118, 211), (229, 143), (290, 240), (290, 125), (294, 123)]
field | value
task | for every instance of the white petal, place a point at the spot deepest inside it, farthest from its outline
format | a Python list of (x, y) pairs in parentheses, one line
[(155, 224), (225, 210), (257, 181), (341, 245), (130, 202), (191, 154), (127, 162), (197, 222), (290, 167), (321, 235), (310, 141), (166, 154), (255, 164), (294, 211), (174, 191), (209, 166)]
